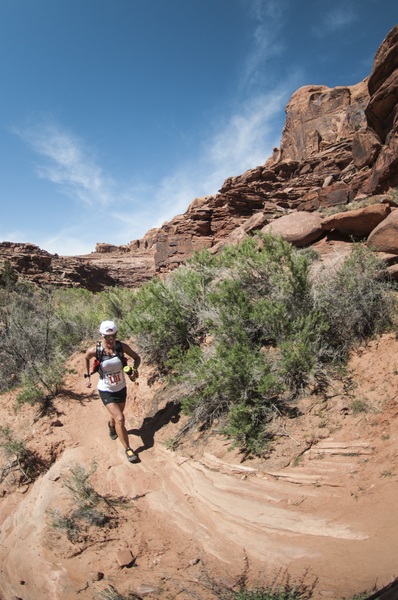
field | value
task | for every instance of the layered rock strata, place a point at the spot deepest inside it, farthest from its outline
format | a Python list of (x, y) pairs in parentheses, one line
[(338, 144), (94, 272)]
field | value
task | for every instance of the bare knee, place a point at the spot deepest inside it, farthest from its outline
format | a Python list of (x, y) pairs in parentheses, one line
[(119, 420)]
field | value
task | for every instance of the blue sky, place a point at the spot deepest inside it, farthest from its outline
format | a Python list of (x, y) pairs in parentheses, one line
[(116, 114)]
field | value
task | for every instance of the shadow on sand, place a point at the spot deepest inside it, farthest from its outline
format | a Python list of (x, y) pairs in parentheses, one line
[(83, 398), (150, 425)]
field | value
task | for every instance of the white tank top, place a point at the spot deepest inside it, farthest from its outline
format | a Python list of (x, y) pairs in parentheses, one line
[(112, 375)]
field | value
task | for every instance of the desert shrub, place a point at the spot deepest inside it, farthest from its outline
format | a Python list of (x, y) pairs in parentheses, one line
[(8, 275), (274, 327), (280, 586), (27, 340), (11, 445), (355, 301), (118, 302), (40, 328), (170, 313), (80, 489), (233, 380), (110, 593), (312, 254), (87, 507), (62, 522), (18, 457), (85, 502)]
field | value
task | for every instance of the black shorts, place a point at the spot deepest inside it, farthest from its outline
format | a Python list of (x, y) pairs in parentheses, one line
[(113, 397)]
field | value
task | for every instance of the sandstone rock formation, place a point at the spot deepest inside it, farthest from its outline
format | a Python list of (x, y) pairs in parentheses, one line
[(201, 500), (94, 272), (318, 116), (358, 222), (299, 229), (385, 236), (338, 144)]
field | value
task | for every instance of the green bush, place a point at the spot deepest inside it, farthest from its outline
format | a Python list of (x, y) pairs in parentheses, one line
[(355, 301), (170, 312), (8, 275), (274, 327)]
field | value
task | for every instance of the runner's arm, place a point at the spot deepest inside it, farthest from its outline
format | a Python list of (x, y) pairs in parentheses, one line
[(130, 352), (88, 356)]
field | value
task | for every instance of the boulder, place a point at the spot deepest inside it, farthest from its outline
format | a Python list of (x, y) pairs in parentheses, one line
[(385, 236), (357, 222), (298, 228), (393, 272), (197, 203), (310, 200)]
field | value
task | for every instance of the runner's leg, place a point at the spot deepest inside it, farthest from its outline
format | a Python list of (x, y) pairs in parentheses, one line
[(117, 417)]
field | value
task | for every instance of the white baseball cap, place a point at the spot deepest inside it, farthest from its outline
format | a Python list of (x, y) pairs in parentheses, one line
[(108, 328)]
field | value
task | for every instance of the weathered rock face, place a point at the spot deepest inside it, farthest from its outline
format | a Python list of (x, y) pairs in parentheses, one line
[(366, 146), (382, 112), (94, 272), (337, 144), (383, 86), (318, 116)]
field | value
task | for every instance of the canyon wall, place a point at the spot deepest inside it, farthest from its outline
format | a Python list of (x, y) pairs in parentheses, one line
[(338, 144)]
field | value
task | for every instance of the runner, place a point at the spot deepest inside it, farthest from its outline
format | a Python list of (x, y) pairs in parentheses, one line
[(111, 383)]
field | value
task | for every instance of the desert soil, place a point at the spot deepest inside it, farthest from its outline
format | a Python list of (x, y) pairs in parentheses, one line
[(324, 500)]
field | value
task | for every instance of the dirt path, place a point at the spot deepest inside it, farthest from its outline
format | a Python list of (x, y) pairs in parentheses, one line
[(326, 499)]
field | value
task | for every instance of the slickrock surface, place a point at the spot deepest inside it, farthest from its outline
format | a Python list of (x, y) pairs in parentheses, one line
[(324, 499)]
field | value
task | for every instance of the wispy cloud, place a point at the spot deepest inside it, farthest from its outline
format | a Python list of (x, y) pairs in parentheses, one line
[(247, 138), (242, 140), (68, 164), (267, 43), (67, 245), (335, 20)]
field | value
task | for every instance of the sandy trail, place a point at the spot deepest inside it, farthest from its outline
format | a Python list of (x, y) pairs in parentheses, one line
[(334, 512)]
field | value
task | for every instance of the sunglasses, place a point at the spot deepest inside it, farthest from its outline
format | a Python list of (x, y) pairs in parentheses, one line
[(109, 337)]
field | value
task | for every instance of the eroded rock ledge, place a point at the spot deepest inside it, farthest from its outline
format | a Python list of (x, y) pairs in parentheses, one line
[(338, 144)]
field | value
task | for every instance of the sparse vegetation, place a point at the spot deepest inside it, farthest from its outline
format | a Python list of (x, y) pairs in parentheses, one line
[(359, 406), (40, 328), (387, 474), (88, 506), (282, 586), (274, 329), (80, 490), (18, 457), (329, 211), (110, 593), (171, 443)]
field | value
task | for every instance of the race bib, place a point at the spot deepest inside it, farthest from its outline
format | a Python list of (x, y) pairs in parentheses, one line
[(113, 378)]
